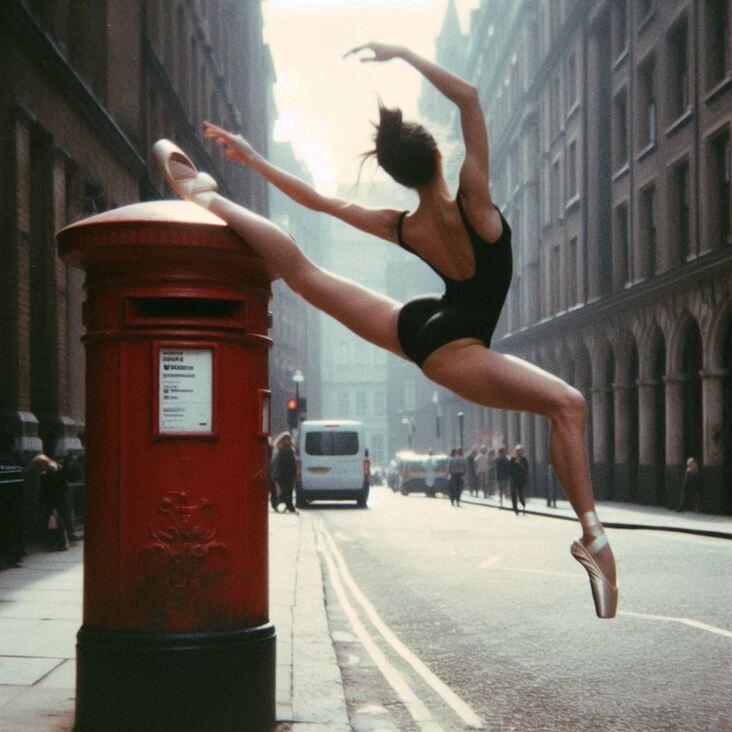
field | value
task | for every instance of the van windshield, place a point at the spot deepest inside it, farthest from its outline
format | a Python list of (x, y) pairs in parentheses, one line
[(331, 443)]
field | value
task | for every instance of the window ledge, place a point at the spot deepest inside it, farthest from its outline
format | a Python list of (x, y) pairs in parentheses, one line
[(574, 201), (719, 89), (677, 124), (646, 151), (622, 56), (620, 172), (645, 22), (573, 109)]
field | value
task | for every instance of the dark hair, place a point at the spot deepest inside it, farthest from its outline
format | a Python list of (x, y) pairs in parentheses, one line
[(405, 150)]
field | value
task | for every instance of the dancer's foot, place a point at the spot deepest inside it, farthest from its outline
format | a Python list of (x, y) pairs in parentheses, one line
[(594, 554), (182, 175)]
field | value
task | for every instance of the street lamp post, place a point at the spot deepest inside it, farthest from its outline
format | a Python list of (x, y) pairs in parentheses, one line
[(408, 422), (436, 402), (298, 378), (461, 422)]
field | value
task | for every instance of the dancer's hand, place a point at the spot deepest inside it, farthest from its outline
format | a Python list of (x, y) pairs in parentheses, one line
[(237, 146), (381, 51)]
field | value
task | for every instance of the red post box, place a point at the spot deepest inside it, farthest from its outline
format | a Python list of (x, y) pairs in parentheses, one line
[(176, 632)]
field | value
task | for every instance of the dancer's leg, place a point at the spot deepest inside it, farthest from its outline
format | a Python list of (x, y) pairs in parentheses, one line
[(505, 382), (369, 314)]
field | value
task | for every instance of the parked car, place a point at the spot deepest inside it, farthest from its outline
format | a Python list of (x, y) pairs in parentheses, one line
[(333, 462), (411, 470)]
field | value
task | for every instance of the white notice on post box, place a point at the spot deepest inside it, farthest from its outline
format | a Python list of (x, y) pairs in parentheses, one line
[(185, 389)]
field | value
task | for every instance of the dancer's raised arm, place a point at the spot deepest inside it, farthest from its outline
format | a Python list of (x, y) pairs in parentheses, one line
[(379, 222), (474, 174)]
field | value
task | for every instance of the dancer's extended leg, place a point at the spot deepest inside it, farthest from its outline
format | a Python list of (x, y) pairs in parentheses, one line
[(505, 382), (369, 314)]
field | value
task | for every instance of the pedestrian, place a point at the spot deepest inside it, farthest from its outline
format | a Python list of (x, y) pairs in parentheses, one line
[(482, 465), (429, 474), (691, 490), (471, 476), (519, 472), (457, 467), (552, 487), (503, 473), (284, 470), (491, 472), (464, 238), (54, 499)]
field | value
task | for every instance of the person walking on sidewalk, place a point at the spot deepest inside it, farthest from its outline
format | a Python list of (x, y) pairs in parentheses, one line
[(457, 467), (691, 490), (429, 473), (54, 497), (284, 470), (503, 473), (552, 487), (471, 476), (467, 242), (482, 465), (519, 471)]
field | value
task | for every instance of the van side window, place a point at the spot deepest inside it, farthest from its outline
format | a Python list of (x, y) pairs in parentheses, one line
[(331, 443)]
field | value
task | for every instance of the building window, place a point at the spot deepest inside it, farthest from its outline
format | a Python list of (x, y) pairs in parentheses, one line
[(379, 402), (647, 103), (572, 297), (623, 244), (360, 403), (681, 205), (648, 227), (555, 283), (719, 178), (679, 71), (572, 171), (410, 396), (344, 403), (556, 107), (716, 51), (572, 81), (620, 26), (556, 191), (620, 113)]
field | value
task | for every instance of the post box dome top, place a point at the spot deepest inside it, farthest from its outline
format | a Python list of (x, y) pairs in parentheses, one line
[(151, 212), (149, 230)]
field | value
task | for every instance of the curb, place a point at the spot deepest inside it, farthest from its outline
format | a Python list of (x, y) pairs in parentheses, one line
[(618, 524)]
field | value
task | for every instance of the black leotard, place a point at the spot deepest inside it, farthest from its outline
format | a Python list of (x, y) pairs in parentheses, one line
[(469, 308)]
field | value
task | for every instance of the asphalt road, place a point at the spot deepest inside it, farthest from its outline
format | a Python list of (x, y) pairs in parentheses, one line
[(457, 618)]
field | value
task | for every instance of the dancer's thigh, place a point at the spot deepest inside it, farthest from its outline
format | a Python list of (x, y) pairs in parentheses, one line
[(493, 379), (368, 314)]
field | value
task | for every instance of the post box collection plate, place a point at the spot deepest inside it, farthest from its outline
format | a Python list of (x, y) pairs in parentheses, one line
[(185, 387)]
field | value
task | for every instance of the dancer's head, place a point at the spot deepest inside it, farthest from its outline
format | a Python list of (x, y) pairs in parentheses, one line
[(405, 150)]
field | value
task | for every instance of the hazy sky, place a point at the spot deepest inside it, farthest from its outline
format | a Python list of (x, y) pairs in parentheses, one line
[(326, 103)]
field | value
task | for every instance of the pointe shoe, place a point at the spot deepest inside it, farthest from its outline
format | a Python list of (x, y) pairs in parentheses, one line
[(182, 175), (604, 594)]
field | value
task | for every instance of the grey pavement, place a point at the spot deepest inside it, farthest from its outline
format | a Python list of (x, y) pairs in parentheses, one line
[(624, 516), (41, 611)]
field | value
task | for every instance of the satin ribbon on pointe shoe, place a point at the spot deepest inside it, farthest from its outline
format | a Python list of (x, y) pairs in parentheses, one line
[(604, 594)]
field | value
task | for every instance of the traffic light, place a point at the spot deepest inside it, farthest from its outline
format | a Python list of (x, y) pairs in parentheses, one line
[(292, 413)]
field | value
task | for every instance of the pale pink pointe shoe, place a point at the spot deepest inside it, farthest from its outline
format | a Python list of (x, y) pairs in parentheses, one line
[(604, 594), (182, 175)]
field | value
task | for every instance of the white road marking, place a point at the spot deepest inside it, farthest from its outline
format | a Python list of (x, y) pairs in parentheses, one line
[(538, 571), (490, 562), (461, 708), (684, 621), (416, 707)]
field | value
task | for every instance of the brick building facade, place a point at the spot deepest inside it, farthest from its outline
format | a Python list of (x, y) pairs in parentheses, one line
[(86, 87)]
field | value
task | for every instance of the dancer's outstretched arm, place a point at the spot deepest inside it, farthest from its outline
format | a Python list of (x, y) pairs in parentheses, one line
[(474, 172), (379, 222)]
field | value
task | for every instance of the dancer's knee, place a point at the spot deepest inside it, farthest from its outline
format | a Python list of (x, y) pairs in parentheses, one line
[(570, 406)]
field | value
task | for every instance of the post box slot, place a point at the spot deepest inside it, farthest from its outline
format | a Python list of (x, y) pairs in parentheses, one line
[(176, 311)]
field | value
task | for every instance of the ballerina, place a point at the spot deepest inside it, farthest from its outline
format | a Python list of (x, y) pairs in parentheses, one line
[(465, 240)]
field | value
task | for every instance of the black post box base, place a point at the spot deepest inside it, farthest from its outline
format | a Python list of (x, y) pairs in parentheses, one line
[(131, 681)]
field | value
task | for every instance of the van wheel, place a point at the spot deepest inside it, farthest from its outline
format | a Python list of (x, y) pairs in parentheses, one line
[(300, 502), (362, 502)]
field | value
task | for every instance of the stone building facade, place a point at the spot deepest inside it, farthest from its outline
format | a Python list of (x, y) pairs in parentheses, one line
[(86, 87), (610, 129)]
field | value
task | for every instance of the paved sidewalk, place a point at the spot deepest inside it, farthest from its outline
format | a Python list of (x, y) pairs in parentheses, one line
[(41, 612), (625, 516)]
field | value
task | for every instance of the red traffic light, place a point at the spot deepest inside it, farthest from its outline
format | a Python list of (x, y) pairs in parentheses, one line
[(292, 403)]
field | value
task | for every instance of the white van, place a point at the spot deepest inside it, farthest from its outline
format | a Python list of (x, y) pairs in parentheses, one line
[(333, 462)]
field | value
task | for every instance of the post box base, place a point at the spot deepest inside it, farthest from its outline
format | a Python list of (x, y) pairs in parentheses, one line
[(137, 681)]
